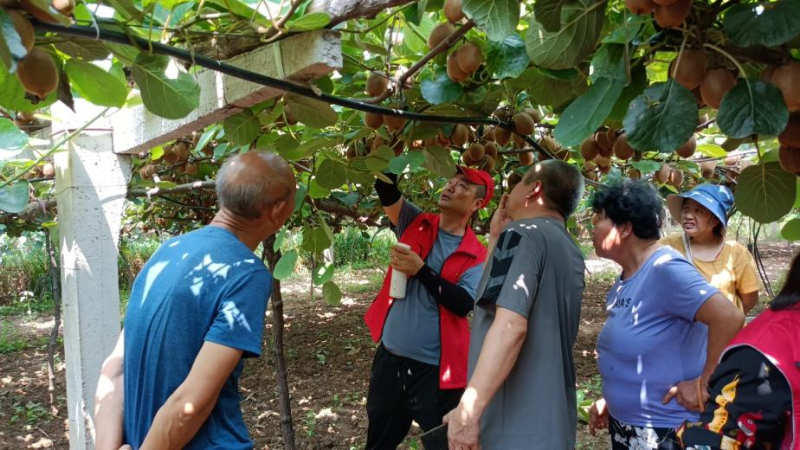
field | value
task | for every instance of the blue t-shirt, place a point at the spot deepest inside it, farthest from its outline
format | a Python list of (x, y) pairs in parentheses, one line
[(651, 340), (412, 326), (202, 286)]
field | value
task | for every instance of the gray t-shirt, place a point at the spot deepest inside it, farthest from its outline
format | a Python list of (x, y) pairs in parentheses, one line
[(412, 326), (536, 270)]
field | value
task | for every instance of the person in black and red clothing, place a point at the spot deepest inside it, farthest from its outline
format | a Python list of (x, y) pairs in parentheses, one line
[(755, 390), (420, 367)]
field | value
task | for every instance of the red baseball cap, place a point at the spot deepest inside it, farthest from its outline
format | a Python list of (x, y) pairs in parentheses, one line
[(480, 177)]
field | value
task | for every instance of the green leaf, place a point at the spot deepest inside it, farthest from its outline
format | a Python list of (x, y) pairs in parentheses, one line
[(207, 136), (626, 33), (752, 107), (85, 49), (323, 273), (765, 23), (711, 150), (632, 90), (313, 113), (162, 96), (299, 198), (95, 84), (331, 174), (662, 118), (438, 160), (507, 58), (286, 146), (242, 128), (315, 240), (11, 48), (14, 198), (331, 293), (272, 115), (548, 13), (279, 238), (412, 159), (765, 192), (316, 191), (565, 48), (790, 230), (314, 144), (308, 22), (588, 112), (285, 266), (12, 95), (646, 166), (440, 89), (378, 160), (609, 62), (497, 18), (544, 90), (126, 9), (11, 137)]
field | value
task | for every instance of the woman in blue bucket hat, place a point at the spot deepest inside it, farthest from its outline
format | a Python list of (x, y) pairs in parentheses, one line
[(726, 264)]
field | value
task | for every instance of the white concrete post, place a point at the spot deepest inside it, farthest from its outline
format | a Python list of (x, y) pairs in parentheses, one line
[(91, 183)]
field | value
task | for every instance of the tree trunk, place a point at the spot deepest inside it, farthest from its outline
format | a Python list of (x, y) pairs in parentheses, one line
[(55, 278), (281, 373)]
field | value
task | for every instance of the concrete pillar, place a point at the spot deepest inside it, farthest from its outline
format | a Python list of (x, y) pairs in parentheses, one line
[(91, 182)]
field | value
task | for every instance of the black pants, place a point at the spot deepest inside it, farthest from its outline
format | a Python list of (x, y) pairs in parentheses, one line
[(402, 390)]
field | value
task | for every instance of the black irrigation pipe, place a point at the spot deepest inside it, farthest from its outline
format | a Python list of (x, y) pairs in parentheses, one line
[(219, 66)]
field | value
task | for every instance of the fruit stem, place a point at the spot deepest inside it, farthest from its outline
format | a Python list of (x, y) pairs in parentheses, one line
[(55, 147), (680, 52), (729, 56)]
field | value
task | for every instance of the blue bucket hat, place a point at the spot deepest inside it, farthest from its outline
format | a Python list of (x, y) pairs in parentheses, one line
[(717, 199)]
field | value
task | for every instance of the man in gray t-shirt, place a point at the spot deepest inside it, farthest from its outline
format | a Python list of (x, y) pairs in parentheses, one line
[(521, 390)]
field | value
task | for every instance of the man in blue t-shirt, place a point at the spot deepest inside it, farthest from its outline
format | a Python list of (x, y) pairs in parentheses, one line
[(195, 311)]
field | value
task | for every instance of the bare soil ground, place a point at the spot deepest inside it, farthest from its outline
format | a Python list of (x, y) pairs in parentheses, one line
[(329, 355)]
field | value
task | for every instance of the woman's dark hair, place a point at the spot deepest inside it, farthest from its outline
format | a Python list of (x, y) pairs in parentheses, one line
[(790, 293), (634, 202)]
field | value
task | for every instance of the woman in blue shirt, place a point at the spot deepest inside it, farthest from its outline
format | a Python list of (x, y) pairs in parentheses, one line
[(666, 325)]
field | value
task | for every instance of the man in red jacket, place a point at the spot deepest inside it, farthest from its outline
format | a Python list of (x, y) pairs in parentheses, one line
[(420, 367)]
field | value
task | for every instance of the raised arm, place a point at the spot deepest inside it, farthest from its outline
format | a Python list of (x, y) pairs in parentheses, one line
[(185, 411), (390, 196), (109, 399)]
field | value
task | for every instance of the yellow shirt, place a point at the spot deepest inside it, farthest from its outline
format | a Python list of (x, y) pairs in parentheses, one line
[(733, 272)]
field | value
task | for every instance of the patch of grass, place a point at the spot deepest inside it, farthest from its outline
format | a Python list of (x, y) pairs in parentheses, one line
[(28, 306), (10, 341), (29, 413)]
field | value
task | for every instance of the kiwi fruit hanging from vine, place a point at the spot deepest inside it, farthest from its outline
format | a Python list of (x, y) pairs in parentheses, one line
[(490, 149), (689, 68), (460, 135), (523, 124), (476, 151), (502, 136), (789, 159), (439, 34), (672, 15), (687, 149), (787, 79), (377, 84), (716, 83), (526, 159), (453, 10), (373, 120), (676, 178), (38, 73), (662, 175), (621, 148), (640, 7), (469, 57), (454, 71), (24, 29), (790, 136), (589, 149)]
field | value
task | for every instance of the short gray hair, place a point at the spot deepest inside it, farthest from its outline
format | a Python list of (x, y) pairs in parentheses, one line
[(250, 195), (562, 184)]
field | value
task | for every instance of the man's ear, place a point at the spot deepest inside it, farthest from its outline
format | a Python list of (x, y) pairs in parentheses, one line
[(277, 210), (477, 204), (536, 189), (625, 230)]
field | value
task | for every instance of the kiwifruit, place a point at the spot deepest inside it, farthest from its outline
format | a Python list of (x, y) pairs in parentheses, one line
[(351, 152), (488, 134), (519, 140), (732, 160), (698, 98), (24, 29), (38, 73), (604, 169), (453, 11), (65, 7), (181, 151), (716, 83), (549, 144), (534, 114), (789, 159), (503, 113), (469, 57), (662, 175), (707, 168), (48, 170), (488, 163), (460, 135), (444, 141), (766, 73), (373, 120), (377, 83), (589, 165), (691, 67), (440, 33), (589, 149), (475, 151), (148, 171), (526, 159), (398, 147), (376, 142), (454, 71), (523, 124), (622, 149), (634, 173), (502, 136), (603, 143), (394, 123), (676, 178), (207, 150), (672, 15), (490, 148), (790, 136), (190, 168), (787, 79), (513, 179), (602, 161), (640, 6), (467, 161), (688, 148), (611, 135)]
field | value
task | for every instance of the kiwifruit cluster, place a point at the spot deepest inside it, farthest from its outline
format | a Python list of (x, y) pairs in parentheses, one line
[(786, 78), (180, 156), (464, 61), (667, 13)]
